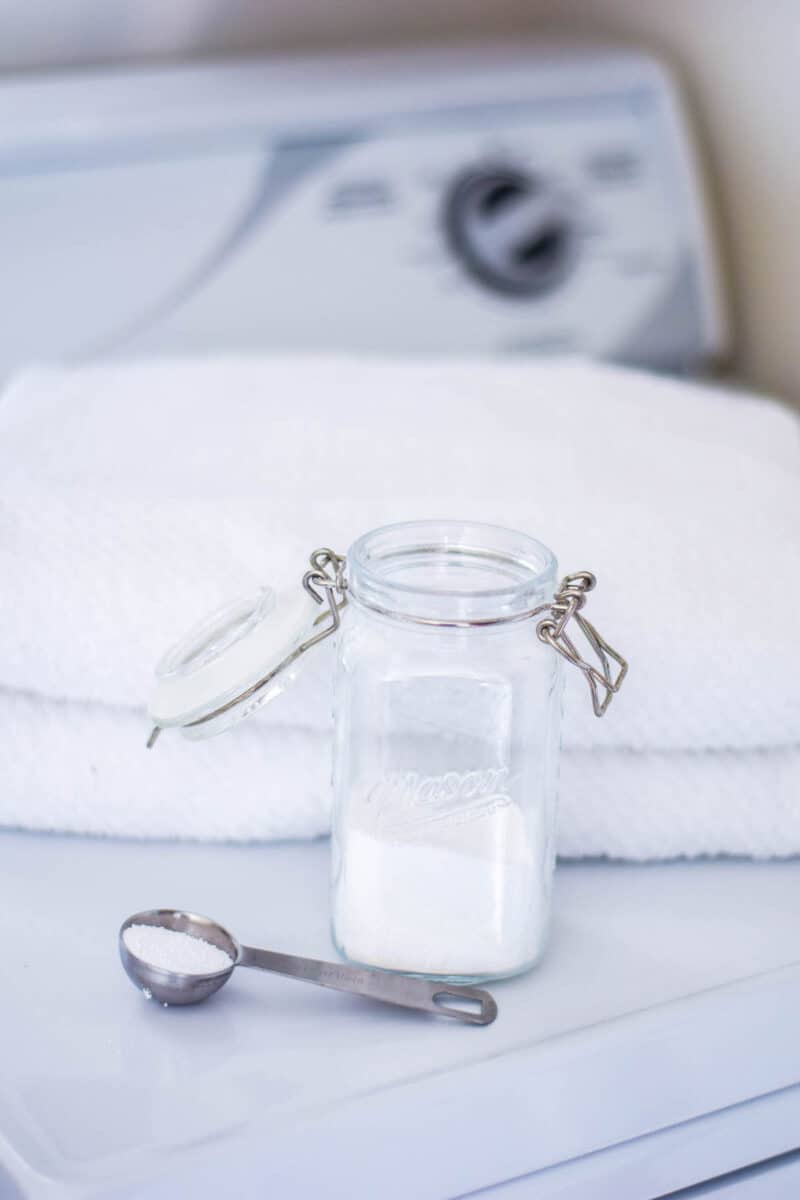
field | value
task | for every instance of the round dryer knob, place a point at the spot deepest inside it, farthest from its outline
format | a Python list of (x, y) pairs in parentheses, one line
[(511, 230)]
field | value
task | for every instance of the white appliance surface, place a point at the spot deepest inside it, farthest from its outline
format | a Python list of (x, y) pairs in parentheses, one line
[(654, 1048), (506, 200)]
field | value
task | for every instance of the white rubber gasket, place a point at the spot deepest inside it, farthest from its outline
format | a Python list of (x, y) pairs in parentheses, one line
[(228, 652)]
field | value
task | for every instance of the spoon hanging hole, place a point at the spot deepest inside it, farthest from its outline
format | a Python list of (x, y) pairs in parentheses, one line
[(480, 1009)]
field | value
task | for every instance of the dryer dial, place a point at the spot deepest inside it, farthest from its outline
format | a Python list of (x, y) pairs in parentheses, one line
[(512, 230)]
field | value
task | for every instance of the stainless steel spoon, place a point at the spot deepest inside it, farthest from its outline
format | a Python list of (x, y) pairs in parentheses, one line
[(470, 1004)]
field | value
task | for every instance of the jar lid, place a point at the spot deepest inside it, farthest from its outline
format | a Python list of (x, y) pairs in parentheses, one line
[(224, 666)]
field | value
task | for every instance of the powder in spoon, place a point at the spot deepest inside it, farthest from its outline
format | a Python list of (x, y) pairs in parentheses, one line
[(172, 950)]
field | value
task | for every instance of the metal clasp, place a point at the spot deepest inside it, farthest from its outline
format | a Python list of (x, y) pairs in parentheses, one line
[(334, 585), (566, 606)]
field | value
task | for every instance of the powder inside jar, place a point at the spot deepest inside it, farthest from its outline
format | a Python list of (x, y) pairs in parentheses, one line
[(171, 950), (465, 899)]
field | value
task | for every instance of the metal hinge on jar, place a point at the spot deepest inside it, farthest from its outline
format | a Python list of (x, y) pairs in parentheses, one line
[(566, 606)]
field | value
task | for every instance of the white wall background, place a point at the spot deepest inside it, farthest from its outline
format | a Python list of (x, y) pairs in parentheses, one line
[(740, 60), (52, 32)]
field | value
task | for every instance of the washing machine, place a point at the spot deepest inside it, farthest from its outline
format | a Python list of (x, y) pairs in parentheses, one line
[(494, 201)]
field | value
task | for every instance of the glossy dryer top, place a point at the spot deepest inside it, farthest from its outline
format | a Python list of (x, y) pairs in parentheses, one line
[(652, 1049)]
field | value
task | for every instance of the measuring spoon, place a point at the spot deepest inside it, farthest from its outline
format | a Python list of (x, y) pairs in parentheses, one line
[(470, 1004)]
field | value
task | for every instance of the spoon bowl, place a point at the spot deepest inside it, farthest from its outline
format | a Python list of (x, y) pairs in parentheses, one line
[(174, 987)]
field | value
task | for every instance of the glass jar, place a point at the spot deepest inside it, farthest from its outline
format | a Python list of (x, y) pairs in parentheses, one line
[(447, 711), (452, 637)]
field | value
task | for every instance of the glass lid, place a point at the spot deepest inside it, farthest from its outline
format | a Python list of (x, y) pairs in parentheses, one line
[(218, 673)]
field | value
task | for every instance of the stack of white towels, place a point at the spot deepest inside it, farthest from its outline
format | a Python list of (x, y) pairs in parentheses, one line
[(136, 498)]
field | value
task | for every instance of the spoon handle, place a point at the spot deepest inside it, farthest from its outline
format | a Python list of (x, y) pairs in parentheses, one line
[(470, 1004)]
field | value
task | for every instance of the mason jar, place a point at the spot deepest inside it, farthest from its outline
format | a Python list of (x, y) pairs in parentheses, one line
[(447, 707), (447, 715)]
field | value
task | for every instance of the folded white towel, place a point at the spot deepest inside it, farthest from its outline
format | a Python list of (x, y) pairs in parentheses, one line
[(138, 497), (82, 768)]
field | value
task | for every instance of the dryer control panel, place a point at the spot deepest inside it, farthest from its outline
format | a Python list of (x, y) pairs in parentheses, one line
[(502, 201)]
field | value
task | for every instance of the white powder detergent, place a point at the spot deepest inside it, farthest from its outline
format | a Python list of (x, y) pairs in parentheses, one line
[(171, 950), (463, 899)]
